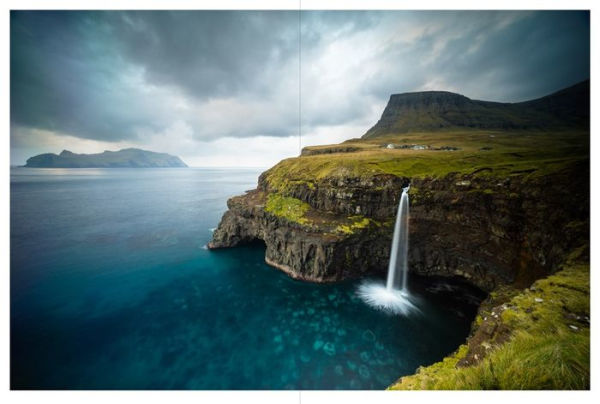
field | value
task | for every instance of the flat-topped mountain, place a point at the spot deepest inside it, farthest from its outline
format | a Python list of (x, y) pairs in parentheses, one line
[(435, 110), (135, 158)]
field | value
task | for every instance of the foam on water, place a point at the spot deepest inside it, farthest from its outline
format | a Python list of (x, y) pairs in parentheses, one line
[(393, 301)]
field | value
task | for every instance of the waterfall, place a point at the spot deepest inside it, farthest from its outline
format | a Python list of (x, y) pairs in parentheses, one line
[(394, 297), (398, 266)]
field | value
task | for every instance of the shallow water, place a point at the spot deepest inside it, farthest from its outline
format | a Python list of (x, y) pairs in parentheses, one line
[(111, 289)]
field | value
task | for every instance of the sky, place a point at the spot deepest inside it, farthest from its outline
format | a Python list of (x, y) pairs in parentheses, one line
[(237, 88)]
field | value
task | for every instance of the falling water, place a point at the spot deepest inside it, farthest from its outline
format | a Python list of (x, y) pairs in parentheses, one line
[(394, 296), (398, 266)]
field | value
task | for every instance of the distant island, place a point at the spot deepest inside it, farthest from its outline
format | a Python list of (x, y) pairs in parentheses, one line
[(126, 158)]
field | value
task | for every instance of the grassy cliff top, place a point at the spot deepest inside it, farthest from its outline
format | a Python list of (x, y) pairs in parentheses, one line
[(468, 152), (539, 339)]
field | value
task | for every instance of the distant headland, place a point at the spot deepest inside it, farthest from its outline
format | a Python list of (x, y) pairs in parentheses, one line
[(125, 158)]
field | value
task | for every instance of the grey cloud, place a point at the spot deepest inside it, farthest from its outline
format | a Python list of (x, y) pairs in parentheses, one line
[(209, 53), (545, 52), (318, 27), (69, 70), (116, 76), (499, 56), (65, 76), (531, 56)]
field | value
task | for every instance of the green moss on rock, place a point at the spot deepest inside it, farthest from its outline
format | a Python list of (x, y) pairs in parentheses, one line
[(286, 207), (357, 223), (548, 348)]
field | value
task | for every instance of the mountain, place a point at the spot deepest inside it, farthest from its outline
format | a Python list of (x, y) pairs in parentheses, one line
[(440, 110), (134, 158)]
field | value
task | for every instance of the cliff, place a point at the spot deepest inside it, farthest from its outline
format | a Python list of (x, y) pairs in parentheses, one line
[(502, 215), (501, 208), (134, 158)]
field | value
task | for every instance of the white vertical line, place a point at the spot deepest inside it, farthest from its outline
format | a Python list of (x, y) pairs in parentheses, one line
[(299, 77)]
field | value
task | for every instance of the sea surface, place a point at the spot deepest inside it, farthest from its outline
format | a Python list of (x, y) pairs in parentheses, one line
[(112, 288)]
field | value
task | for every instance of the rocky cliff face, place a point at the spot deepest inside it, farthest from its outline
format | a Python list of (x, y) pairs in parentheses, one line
[(489, 230), (315, 251)]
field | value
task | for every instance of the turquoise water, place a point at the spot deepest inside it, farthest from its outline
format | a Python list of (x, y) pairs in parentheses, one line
[(111, 288)]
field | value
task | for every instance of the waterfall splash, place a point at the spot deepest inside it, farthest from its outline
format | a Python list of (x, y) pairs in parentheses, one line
[(394, 296)]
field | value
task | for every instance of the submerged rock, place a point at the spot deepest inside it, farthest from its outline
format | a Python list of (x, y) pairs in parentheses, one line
[(368, 335), (329, 349), (363, 371)]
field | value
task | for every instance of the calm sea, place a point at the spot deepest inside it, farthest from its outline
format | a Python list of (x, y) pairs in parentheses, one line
[(112, 288)]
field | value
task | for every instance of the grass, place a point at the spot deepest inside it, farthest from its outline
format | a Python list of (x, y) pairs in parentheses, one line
[(356, 223), (549, 346), (530, 153), (296, 211), (527, 362), (289, 208)]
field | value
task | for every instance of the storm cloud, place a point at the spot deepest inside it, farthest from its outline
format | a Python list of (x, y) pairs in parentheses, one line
[(206, 84)]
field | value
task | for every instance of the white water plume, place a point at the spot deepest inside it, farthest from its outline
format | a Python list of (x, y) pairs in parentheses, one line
[(394, 296)]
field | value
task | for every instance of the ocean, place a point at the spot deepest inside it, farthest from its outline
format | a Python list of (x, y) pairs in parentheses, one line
[(112, 287)]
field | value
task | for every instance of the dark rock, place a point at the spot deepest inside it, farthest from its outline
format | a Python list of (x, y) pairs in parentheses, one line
[(329, 150), (448, 148), (514, 233)]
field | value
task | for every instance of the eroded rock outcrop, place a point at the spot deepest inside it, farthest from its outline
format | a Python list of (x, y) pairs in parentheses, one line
[(318, 251), (486, 229)]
